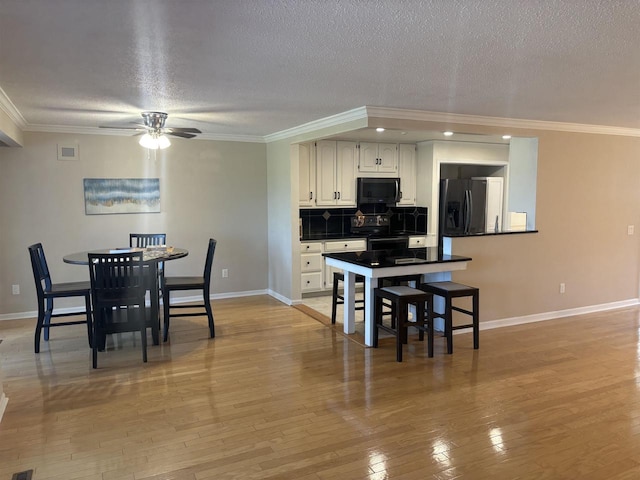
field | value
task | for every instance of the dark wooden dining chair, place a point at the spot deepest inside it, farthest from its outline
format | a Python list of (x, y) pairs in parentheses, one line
[(154, 284), (203, 283), (118, 293), (48, 291)]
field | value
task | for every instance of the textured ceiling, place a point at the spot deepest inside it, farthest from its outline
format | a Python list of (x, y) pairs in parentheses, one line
[(256, 67)]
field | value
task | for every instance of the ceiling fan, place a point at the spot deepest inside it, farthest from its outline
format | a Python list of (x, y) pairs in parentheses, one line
[(154, 133)]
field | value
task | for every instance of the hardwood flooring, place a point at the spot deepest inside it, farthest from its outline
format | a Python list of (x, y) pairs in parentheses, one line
[(279, 395)]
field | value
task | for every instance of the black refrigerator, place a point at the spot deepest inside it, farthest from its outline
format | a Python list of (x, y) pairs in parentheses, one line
[(462, 206)]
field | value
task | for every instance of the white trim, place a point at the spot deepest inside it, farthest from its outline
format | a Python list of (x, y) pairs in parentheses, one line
[(281, 298), (365, 112), (7, 106), (542, 317), (332, 121), (3, 404), (454, 118)]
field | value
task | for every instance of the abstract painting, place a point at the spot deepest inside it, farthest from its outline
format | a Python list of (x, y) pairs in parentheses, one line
[(121, 195)]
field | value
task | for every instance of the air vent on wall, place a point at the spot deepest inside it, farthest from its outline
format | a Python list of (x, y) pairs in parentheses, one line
[(68, 151)]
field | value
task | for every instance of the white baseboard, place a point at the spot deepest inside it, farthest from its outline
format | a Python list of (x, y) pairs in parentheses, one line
[(542, 317), (487, 325)]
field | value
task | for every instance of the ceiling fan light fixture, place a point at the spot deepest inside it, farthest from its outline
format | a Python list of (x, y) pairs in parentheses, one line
[(154, 141)]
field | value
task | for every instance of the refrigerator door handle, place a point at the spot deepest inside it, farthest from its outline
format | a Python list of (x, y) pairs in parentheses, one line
[(465, 209), (470, 213)]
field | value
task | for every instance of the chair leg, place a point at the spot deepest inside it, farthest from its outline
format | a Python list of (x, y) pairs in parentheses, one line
[(429, 317), (207, 307), (476, 321), (39, 324), (165, 304), (143, 337), (87, 304), (334, 301), (448, 325), (96, 341), (377, 315), (47, 318), (401, 330)]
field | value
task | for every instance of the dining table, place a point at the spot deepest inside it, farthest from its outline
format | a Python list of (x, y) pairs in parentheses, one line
[(431, 263), (151, 256)]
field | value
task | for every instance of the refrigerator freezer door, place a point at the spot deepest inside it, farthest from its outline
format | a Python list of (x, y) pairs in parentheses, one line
[(477, 214), (452, 203)]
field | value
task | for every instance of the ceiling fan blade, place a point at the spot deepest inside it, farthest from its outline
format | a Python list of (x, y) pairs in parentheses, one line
[(180, 134), (184, 130)]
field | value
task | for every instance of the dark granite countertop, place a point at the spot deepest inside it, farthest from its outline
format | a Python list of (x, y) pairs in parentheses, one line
[(394, 258), (488, 234)]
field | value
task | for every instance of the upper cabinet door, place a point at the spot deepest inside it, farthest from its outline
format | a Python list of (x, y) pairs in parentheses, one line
[(326, 173), (388, 158), (347, 161), (307, 175), (407, 174), (378, 158), (368, 157)]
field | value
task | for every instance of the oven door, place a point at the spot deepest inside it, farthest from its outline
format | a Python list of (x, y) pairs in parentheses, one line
[(387, 243)]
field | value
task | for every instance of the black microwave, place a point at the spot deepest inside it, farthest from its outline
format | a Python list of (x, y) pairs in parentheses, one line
[(378, 190)]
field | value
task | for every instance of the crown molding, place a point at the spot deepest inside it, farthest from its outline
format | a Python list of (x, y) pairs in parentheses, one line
[(365, 112), (7, 106), (332, 121), (454, 118)]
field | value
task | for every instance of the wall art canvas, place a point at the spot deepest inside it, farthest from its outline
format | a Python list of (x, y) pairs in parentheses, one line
[(121, 195)]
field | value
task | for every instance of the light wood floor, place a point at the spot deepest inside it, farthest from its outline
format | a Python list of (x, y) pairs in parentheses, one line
[(278, 395)]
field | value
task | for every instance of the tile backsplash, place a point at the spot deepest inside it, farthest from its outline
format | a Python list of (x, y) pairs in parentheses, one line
[(336, 222)]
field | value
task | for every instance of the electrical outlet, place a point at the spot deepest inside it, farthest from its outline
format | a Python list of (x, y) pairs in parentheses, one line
[(15, 289), (225, 272), (630, 229), (562, 288)]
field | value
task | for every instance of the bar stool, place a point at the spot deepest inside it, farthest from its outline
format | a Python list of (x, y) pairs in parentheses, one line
[(401, 297), (338, 299), (394, 282), (449, 291)]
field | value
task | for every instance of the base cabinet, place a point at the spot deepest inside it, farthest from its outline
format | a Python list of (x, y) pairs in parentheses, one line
[(315, 276)]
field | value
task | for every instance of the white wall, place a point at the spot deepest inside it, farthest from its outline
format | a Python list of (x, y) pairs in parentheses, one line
[(208, 189)]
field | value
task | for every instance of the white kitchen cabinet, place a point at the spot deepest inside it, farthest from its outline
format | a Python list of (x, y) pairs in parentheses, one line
[(336, 173), (333, 246), (307, 174), (311, 266), (407, 174), (378, 158)]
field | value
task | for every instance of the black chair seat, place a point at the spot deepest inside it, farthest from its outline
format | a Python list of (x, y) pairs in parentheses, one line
[(69, 289), (184, 283), (170, 284), (47, 291)]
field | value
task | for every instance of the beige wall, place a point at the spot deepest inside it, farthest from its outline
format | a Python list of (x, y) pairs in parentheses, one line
[(208, 189), (588, 193)]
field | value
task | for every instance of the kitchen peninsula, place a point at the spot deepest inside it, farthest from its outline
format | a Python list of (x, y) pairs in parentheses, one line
[(377, 264)]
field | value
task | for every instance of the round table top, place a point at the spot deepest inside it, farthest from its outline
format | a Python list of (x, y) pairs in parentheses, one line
[(150, 256)]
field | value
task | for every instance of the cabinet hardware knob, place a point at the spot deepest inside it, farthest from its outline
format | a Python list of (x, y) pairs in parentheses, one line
[(308, 263)]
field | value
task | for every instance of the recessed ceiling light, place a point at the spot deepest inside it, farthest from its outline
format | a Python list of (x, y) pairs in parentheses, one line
[(379, 129), (403, 133), (447, 133), (506, 137)]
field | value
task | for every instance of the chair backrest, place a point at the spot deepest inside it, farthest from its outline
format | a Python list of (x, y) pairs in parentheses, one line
[(40, 269), (117, 279), (142, 240), (209, 261)]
